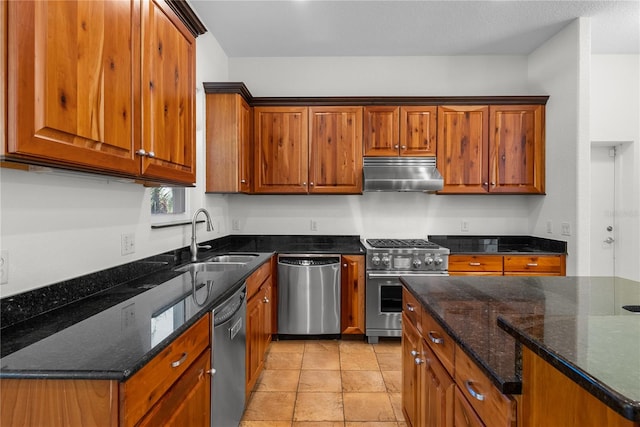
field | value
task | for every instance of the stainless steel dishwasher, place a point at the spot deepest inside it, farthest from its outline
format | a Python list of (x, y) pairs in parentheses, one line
[(228, 360), (308, 294)]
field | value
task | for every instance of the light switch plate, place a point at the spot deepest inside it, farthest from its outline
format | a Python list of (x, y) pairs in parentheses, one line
[(4, 267), (128, 243), (565, 229)]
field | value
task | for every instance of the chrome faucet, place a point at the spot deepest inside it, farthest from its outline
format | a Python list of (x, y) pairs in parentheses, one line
[(194, 244)]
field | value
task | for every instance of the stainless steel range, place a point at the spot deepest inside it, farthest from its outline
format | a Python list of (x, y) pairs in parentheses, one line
[(387, 260)]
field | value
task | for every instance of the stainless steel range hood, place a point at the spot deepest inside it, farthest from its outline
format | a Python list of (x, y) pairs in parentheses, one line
[(401, 174)]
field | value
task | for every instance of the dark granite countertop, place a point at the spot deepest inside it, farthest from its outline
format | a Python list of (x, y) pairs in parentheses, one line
[(575, 323), (499, 245)]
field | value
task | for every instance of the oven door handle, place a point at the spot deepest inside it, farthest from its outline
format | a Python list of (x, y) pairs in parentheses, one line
[(396, 274)]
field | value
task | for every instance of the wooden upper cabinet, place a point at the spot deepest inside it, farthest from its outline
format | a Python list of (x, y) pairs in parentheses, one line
[(391, 131), (168, 95), (381, 131), (491, 149), (516, 157), (73, 82), (228, 147), (463, 148), (335, 141), (418, 130), (281, 149)]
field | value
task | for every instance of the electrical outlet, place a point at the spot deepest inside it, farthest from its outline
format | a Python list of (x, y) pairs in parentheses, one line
[(549, 226), (128, 243), (235, 224), (566, 229), (314, 225), (128, 316), (4, 267), (464, 225)]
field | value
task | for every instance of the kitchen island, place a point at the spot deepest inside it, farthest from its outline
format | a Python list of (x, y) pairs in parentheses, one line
[(575, 325)]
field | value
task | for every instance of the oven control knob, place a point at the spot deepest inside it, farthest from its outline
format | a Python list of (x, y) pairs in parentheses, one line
[(428, 260), (375, 260), (416, 263), (438, 261), (385, 260)]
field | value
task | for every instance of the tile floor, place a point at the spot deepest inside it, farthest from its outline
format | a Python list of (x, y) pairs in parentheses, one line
[(328, 384)]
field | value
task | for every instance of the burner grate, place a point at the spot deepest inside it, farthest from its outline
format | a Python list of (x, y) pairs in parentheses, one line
[(402, 243)]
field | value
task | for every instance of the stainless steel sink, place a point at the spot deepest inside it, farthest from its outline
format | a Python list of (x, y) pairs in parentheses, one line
[(209, 267), (233, 258)]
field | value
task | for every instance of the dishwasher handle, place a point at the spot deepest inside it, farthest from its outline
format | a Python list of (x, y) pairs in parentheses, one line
[(308, 260)]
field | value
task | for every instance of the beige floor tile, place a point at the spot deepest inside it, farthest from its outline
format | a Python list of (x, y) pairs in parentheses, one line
[(393, 381), (321, 360), (321, 346), (387, 346), (365, 361), (362, 381), (278, 380), (320, 381), (389, 361), (368, 407), (319, 407), (371, 424), (270, 406), (277, 360), (355, 347), (396, 403), (287, 346), (265, 424), (317, 424)]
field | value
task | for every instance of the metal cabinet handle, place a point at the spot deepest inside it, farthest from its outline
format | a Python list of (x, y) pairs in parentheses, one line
[(404, 147), (265, 300), (311, 184), (243, 181), (475, 264), (211, 371), (180, 361), (410, 307), (141, 152), (151, 154), (532, 264), (472, 392), (304, 184), (396, 146), (414, 353), (434, 339), (418, 361)]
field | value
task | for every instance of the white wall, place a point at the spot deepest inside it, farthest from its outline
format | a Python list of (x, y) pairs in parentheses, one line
[(615, 121), (56, 227)]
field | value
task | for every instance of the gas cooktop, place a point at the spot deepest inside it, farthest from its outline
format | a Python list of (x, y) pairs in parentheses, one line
[(402, 243)]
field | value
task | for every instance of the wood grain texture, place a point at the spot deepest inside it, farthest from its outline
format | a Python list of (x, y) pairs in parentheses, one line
[(224, 143), (381, 130), (548, 264), (3, 80), (418, 130), (464, 415), (281, 147), (352, 298), (549, 398), (411, 391), (463, 148), (144, 389), (58, 403), (476, 264), (335, 147), (437, 388)]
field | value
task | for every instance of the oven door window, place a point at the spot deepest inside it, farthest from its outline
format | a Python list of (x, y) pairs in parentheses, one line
[(390, 298)]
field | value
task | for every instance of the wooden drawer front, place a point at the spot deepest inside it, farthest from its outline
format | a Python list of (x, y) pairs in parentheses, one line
[(439, 341), (147, 386), (479, 263), (495, 408), (533, 264), (412, 308), (463, 413), (257, 278)]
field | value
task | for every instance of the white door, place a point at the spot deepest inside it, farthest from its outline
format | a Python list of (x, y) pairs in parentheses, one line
[(603, 213)]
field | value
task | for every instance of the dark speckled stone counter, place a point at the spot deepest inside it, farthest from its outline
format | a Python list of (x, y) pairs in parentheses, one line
[(577, 324), (499, 244)]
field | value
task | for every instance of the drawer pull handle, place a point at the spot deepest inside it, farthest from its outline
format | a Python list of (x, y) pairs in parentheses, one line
[(181, 361), (211, 372), (418, 361), (414, 353), (475, 264), (265, 300), (472, 392), (434, 339), (532, 264), (410, 307)]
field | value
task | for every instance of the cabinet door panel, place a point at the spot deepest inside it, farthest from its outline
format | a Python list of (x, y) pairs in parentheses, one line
[(516, 161), (281, 149), (352, 298), (411, 389), (72, 84), (463, 148), (381, 131), (418, 131), (168, 103), (335, 164)]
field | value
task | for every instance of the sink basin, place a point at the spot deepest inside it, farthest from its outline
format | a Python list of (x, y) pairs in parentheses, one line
[(233, 258), (209, 267)]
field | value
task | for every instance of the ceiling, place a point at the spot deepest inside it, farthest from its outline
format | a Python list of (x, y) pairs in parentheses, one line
[(287, 28)]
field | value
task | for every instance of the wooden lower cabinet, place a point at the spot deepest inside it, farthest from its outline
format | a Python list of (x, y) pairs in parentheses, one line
[(173, 389), (411, 390), (260, 308), (507, 265), (463, 413), (437, 389), (352, 298)]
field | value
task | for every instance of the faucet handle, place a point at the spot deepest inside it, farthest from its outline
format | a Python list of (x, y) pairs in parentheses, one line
[(204, 246)]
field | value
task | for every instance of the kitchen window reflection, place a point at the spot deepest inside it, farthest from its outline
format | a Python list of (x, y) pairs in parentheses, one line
[(166, 321)]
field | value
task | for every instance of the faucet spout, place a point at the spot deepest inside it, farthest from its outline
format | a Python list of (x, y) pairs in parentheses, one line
[(194, 244)]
